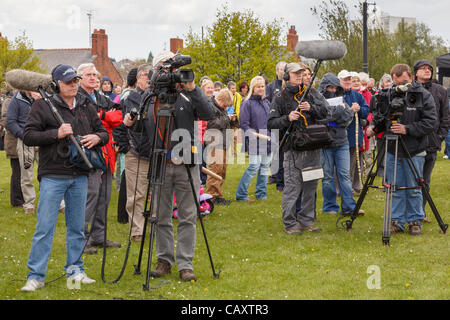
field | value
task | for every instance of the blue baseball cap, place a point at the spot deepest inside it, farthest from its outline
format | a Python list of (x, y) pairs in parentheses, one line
[(64, 73)]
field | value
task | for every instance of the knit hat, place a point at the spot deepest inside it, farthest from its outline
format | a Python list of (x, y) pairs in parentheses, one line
[(132, 77)]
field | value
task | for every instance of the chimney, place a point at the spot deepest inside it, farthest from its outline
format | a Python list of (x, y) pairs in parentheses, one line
[(99, 43), (176, 44), (292, 39)]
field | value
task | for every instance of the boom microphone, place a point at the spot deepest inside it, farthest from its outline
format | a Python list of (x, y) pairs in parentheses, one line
[(321, 49), (25, 80)]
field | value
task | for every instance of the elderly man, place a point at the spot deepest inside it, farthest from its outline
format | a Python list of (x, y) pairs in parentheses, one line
[(58, 177), (191, 104), (99, 183)]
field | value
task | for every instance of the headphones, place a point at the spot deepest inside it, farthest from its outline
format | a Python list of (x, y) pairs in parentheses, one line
[(54, 84), (286, 76)]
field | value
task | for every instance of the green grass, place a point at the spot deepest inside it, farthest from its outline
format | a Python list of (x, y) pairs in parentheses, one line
[(256, 258)]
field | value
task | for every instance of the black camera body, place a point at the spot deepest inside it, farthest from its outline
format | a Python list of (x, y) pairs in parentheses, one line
[(392, 102)]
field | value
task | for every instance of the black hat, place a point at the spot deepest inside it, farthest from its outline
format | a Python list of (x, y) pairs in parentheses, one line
[(132, 77)]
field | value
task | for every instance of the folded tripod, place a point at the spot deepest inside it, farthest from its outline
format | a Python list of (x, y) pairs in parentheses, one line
[(390, 188)]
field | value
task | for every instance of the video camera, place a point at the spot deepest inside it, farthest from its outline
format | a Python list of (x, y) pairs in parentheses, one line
[(164, 80), (392, 102), (163, 85)]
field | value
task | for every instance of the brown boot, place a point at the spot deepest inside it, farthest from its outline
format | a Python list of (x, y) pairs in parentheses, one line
[(187, 275), (414, 229), (395, 228), (162, 267)]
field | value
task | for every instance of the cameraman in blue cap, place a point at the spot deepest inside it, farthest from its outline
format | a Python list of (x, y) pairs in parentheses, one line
[(58, 177)]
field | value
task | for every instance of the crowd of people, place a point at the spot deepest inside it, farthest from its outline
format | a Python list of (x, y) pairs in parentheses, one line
[(220, 116)]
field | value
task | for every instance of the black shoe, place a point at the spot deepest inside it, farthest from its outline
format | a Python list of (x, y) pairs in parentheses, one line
[(89, 250), (109, 244), (222, 201)]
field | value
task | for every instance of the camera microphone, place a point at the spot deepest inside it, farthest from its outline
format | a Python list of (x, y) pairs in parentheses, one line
[(24, 80), (321, 49)]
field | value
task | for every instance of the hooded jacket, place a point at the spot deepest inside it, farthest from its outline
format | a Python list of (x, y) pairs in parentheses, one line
[(440, 96), (42, 127), (220, 122), (17, 114), (350, 97), (339, 116), (419, 121)]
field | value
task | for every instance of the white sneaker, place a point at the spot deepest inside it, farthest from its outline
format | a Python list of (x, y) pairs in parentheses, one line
[(445, 157), (32, 285), (81, 278)]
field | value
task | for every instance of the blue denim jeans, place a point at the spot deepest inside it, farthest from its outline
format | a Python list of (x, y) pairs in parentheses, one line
[(258, 165), (406, 204), (52, 190), (337, 158), (447, 144)]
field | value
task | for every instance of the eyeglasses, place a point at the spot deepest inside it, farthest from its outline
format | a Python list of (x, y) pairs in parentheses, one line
[(90, 75), (425, 68)]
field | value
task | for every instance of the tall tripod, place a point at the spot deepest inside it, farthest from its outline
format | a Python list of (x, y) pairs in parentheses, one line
[(156, 175), (391, 187)]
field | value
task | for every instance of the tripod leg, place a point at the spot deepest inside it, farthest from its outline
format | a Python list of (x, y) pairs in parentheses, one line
[(137, 267), (216, 275), (150, 253), (369, 181)]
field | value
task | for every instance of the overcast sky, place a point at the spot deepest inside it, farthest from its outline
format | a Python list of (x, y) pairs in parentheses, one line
[(136, 27)]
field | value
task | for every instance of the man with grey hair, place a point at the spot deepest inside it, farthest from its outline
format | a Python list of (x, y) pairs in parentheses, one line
[(99, 183), (191, 104)]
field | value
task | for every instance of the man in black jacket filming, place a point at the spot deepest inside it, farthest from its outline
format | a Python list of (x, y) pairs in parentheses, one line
[(59, 178), (412, 122), (190, 104)]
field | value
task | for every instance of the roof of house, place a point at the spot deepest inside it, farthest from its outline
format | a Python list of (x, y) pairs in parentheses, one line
[(50, 58)]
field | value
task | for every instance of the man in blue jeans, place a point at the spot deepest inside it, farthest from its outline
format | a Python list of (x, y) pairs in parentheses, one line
[(337, 156), (412, 126), (58, 177)]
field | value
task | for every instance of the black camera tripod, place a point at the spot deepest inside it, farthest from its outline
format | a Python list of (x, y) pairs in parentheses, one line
[(390, 188), (165, 122)]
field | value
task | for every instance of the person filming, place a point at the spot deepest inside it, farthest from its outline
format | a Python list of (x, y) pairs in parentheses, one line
[(412, 122)]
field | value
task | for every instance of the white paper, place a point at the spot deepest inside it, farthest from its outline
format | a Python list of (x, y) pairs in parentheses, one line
[(336, 101), (310, 174)]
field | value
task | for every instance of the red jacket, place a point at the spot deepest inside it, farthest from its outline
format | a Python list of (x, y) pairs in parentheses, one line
[(110, 120)]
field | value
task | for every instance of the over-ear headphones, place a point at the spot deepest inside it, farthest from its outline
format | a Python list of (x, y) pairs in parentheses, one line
[(54, 84), (286, 74)]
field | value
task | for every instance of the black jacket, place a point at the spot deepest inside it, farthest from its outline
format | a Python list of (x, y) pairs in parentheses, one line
[(220, 122), (419, 121), (41, 130), (442, 123), (198, 106), (283, 103)]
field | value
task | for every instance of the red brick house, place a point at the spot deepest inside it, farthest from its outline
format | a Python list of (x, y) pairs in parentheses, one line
[(98, 55)]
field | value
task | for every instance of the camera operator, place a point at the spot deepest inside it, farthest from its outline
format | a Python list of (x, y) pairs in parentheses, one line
[(58, 177), (283, 111), (423, 73), (190, 104), (413, 125)]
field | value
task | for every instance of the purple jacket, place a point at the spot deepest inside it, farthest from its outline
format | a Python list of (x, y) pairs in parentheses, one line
[(253, 117)]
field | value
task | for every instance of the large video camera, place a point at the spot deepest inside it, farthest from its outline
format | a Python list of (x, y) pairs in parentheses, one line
[(164, 80), (392, 102), (163, 86)]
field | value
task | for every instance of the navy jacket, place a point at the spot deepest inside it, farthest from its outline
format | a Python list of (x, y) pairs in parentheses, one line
[(17, 114), (253, 116)]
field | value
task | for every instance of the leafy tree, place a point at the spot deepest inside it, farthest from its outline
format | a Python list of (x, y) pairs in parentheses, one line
[(17, 54), (238, 46)]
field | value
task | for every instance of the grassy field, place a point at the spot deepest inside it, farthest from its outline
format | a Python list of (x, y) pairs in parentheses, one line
[(258, 261)]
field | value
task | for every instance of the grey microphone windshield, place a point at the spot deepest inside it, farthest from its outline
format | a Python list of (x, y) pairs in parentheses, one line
[(321, 49), (25, 80)]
